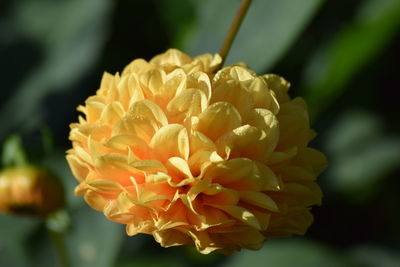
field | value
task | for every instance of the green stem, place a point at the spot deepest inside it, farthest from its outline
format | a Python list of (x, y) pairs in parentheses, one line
[(60, 248), (237, 21)]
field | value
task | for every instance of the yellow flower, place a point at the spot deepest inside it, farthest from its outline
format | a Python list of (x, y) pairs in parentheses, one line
[(29, 190), (193, 157)]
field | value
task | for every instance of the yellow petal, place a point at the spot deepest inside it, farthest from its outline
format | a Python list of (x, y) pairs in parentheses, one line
[(311, 159), (279, 85), (129, 90), (246, 141), (170, 141), (200, 80), (145, 227), (138, 66), (233, 92), (178, 167), (278, 157), (79, 168), (201, 160), (121, 143), (107, 81), (294, 125), (248, 238), (244, 175), (175, 84), (149, 110), (190, 102), (105, 186), (223, 197), (199, 141), (236, 73), (112, 113), (148, 165), (218, 119), (115, 167), (206, 63), (263, 97), (172, 56), (152, 82), (296, 221), (97, 131), (95, 200), (295, 173), (139, 126), (259, 199), (241, 214), (171, 237)]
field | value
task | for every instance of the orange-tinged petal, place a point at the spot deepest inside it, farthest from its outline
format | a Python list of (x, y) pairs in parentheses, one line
[(124, 142), (195, 153), (259, 199), (170, 141), (79, 168), (139, 126), (241, 214)]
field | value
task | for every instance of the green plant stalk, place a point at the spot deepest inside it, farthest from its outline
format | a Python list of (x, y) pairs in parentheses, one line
[(58, 242), (233, 30)]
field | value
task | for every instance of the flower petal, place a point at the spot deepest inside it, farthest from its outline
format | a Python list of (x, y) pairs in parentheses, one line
[(139, 126), (210, 120), (190, 102), (170, 141), (149, 110)]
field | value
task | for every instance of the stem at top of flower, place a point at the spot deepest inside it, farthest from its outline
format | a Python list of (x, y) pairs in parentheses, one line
[(237, 21)]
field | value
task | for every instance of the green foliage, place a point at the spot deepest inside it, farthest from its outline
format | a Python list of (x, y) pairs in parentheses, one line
[(13, 152), (71, 34), (92, 239), (14, 232), (334, 65), (288, 253), (268, 30), (361, 154)]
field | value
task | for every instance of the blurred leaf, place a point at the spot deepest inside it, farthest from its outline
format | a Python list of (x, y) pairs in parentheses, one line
[(288, 253), (179, 17), (361, 154), (47, 139), (71, 33), (13, 233), (371, 256), (92, 240), (13, 152), (357, 44), (268, 30), (150, 261)]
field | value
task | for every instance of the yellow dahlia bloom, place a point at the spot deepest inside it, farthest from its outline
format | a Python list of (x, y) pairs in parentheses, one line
[(195, 156), (29, 190)]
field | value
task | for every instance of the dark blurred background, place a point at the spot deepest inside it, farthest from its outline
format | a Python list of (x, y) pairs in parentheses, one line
[(341, 56)]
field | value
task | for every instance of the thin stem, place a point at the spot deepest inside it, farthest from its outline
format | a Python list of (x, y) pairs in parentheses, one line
[(60, 248), (237, 21)]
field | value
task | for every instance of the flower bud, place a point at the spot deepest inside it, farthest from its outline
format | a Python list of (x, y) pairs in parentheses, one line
[(30, 190)]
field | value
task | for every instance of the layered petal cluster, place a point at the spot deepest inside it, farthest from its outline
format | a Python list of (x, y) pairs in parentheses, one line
[(194, 156)]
